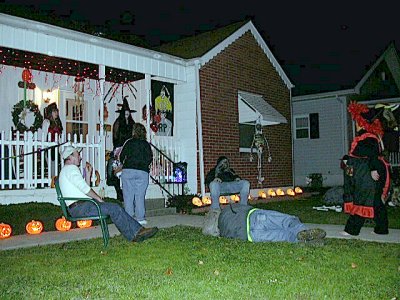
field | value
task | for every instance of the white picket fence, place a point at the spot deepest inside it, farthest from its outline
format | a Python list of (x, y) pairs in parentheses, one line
[(26, 164)]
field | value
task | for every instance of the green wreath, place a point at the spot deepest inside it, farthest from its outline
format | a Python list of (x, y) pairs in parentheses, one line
[(16, 116)]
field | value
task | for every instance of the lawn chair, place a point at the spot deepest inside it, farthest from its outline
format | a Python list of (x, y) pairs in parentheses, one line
[(99, 216)]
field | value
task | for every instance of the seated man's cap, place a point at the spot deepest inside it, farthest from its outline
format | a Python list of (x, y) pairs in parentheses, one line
[(68, 150)]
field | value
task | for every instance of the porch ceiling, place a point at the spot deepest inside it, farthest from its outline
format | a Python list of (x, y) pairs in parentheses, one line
[(45, 63)]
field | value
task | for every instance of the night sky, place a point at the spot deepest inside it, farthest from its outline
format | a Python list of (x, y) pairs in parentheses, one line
[(328, 44)]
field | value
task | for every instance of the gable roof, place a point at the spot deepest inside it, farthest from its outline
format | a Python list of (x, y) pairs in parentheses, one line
[(206, 46), (391, 57)]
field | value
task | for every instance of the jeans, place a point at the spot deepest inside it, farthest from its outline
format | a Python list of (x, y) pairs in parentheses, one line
[(232, 187), (134, 186), (273, 226), (128, 226)]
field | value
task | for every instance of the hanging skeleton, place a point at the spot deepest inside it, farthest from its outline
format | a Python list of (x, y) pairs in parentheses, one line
[(259, 142), (79, 89)]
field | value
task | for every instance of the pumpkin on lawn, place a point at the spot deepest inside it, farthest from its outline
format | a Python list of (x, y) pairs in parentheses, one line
[(5, 231), (84, 223), (34, 227), (63, 224)]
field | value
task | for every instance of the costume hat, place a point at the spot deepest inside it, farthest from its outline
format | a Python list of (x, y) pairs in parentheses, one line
[(125, 106), (366, 118)]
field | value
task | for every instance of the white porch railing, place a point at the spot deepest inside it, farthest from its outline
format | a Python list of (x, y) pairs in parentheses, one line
[(25, 164)]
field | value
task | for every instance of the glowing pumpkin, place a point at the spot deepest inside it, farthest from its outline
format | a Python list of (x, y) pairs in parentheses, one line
[(197, 201), (250, 197), (290, 192), (223, 200), (235, 198), (298, 190), (206, 200), (5, 231), (63, 225), (262, 194), (271, 193), (280, 192), (84, 223), (34, 227)]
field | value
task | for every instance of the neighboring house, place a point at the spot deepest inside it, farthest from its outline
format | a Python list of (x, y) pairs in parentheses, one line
[(322, 127), (211, 100)]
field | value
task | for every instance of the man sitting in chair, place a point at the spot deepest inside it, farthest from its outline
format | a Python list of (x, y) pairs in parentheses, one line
[(73, 185), (222, 179)]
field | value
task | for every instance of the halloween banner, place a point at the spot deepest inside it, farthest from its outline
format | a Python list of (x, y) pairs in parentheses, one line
[(162, 109)]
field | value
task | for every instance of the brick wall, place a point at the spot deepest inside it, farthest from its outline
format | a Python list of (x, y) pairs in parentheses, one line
[(244, 66)]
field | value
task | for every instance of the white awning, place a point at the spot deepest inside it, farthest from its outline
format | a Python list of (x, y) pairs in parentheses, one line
[(252, 107)]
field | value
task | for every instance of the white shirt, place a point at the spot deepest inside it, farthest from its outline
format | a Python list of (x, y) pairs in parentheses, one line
[(72, 183)]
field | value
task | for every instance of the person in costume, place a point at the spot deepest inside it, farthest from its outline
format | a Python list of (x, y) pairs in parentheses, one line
[(366, 174)]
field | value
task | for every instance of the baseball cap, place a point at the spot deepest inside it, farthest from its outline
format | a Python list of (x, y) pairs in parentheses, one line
[(68, 150)]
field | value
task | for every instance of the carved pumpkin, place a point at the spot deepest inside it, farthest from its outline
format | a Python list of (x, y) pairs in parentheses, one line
[(235, 198), (5, 231), (271, 193), (197, 201), (26, 75), (34, 227), (290, 192), (298, 190), (84, 223), (63, 225), (280, 192), (262, 194), (206, 200), (223, 200)]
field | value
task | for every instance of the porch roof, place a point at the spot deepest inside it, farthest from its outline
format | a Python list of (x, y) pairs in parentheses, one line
[(27, 35), (252, 107)]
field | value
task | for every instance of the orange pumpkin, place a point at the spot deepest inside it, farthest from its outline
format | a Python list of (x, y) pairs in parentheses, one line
[(63, 225), (26, 75), (34, 227), (5, 231), (84, 223)]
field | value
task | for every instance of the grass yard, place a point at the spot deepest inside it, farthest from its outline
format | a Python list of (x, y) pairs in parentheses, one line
[(181, 263)]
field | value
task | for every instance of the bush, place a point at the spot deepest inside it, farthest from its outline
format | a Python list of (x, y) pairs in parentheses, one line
[(182, 203), (315, 182)]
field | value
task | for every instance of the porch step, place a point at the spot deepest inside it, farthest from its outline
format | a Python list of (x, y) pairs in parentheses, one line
[(160, 212)]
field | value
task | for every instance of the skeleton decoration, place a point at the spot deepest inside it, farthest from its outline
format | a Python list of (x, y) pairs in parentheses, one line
[(79, 89), (259, 142)]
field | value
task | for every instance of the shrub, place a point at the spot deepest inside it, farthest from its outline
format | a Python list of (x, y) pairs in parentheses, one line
[(315, 181), (182, 203)]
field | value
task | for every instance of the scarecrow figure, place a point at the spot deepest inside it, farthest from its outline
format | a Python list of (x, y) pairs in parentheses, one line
[(259, 142)]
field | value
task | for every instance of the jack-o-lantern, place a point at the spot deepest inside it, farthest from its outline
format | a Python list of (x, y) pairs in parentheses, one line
[(197, 201), (223, 200), (5, 231), (290, 192), (271, 193), (262, 194), (280, 192), (235, 198), (298, 190), (84, 223), (206, 200), (63, 224), (34, 227)]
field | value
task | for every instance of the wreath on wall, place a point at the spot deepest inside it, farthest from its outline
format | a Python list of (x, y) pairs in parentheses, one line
[(26, 116)]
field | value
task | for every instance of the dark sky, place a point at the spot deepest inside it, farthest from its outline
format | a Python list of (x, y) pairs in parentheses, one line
[(325, 43)]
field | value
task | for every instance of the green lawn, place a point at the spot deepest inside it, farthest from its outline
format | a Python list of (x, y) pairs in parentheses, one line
[(181, 263)]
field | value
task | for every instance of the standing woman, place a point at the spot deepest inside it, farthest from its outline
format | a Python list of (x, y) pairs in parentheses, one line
[(52, 124), (136, 157), (366, 179)]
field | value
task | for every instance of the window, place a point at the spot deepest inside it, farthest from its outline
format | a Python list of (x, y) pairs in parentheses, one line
[(77, 120), (307, 126), (246, 134)]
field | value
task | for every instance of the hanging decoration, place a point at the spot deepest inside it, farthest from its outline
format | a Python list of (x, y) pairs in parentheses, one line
[(26, 116), (259, 142), (79, 89), (5, 231)]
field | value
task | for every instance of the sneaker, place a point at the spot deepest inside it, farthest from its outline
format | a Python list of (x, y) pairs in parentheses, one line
[(210, 225), (144, 234), (142, 222), (311, 234)]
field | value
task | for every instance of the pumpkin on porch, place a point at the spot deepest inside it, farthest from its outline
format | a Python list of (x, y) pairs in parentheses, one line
[(290, 192), (280, 192), (271, 193), (5, 231), (84, 223), (235, 198), (63, 224), (206, 200), (34, 227), (298, 190), (197, 201)]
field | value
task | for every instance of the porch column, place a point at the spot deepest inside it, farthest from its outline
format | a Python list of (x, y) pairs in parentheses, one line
[(102, 150), (147, 87)]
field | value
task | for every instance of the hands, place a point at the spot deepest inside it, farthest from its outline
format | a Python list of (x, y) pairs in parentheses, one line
[(375, 175)]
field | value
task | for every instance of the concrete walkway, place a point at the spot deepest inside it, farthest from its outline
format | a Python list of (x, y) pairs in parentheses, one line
[(55, 237)]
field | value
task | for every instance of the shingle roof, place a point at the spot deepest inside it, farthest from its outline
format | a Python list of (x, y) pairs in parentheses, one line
[(198, 45)]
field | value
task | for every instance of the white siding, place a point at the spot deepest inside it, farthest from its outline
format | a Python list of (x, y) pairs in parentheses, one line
[(321, 155)]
